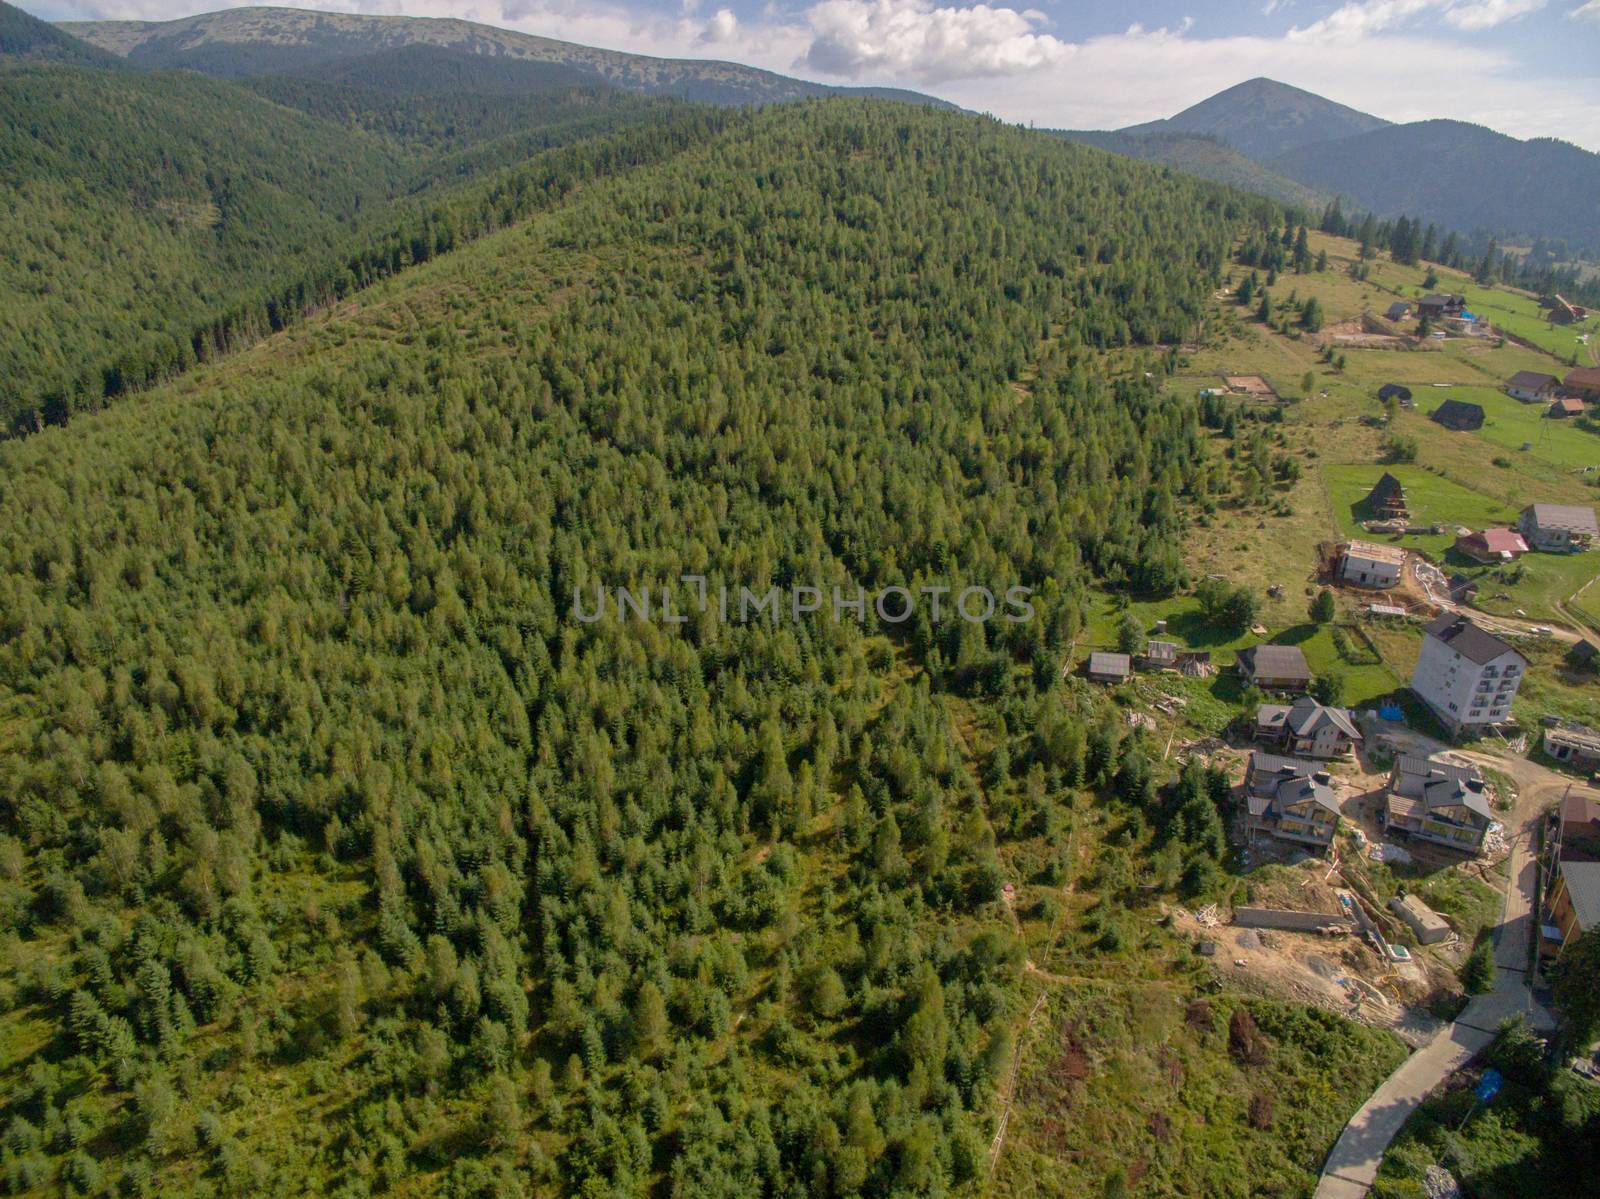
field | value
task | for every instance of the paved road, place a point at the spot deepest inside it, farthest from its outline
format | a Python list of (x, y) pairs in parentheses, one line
[(1353, 1164)]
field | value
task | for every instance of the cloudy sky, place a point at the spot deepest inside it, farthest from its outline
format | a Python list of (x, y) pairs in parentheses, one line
[(1526, 67)]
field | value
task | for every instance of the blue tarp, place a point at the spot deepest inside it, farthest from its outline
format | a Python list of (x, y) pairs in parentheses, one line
[(1391, 713)]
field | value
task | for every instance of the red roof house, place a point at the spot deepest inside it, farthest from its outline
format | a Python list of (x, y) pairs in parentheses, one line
[(1492, 545)]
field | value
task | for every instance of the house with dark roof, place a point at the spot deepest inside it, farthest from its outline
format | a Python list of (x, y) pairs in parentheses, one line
[(1459, 415), (1387, 499), (1291, 799), (1438, 306), (1437, 802), (1109, 668), (1583, 381), (1559, 528), (1532, 386), (1393, 391), (1492, 545), (1398, 311), (1574, 905), (1466, 675), (1564, 313), (1308, 729), (1274, 668)]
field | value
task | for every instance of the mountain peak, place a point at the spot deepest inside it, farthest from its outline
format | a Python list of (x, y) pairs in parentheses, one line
[(1263, 118)]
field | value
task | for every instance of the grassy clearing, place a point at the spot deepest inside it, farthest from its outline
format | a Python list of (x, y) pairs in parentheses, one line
[(1140, 1083), (1431, 497)]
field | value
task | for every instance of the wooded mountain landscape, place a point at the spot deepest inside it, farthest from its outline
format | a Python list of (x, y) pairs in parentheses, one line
[(1292, 145), (340, 855)]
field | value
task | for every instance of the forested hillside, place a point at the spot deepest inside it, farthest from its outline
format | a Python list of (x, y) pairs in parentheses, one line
[(1464, 177), (150, 219), (338, 856), (26, 39)]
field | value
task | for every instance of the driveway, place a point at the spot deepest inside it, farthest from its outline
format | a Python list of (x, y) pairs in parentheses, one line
[(1353, 1164)]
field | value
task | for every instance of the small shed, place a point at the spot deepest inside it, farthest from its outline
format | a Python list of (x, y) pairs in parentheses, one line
[(1109, 668), (1566, 406), (1398, 311), (1430, 927), (1393, 391)]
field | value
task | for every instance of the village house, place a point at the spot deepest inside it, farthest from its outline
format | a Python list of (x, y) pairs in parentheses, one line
[(1307, 728), (1275, 668), (1578, 826), (1159, 655), (1290, 799), (1531, 386), (1459, 415), (1559, 528), (1564, 406), (1109, 668), (1574, 905), (1398, 311), (1393, 391), (1467, 676), (1387, 499), (1584, 382), (1564, 313), (1438, 803), (1437, 307), (1573, 743), (1492, 545), (1372, 565)]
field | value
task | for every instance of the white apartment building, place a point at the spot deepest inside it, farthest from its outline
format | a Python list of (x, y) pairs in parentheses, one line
[(1467, 676)]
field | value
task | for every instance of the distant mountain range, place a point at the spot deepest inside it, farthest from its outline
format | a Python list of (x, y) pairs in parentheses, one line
[(1261, 135), (1292, 145), (261, 41)]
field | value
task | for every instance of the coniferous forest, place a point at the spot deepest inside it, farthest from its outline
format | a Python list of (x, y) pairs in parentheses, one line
[(336, 855)]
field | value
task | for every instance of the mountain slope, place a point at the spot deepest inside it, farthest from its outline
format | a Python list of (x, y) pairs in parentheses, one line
[(150, 218), (1207, 157), (1463, 177), (257, 41), (338, 855), (1263, 119), (26, 39)]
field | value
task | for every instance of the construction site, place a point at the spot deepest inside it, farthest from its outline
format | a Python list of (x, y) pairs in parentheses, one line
[(1319, 932)]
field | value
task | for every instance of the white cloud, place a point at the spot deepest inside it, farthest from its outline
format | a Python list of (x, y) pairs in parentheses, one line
[(721, 28), (917, 40), (1487, 14), (1590, 10), (1364, 18)]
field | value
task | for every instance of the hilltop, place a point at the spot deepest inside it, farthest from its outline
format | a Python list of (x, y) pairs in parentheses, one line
[(258, 41), (1263, 119), (26, 39)]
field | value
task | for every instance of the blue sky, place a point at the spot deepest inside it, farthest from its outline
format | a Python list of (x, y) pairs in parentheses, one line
[(1526, 67)]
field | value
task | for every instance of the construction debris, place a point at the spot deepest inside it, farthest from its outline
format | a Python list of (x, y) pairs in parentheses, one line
[(1388, 851), (1208, 916)]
